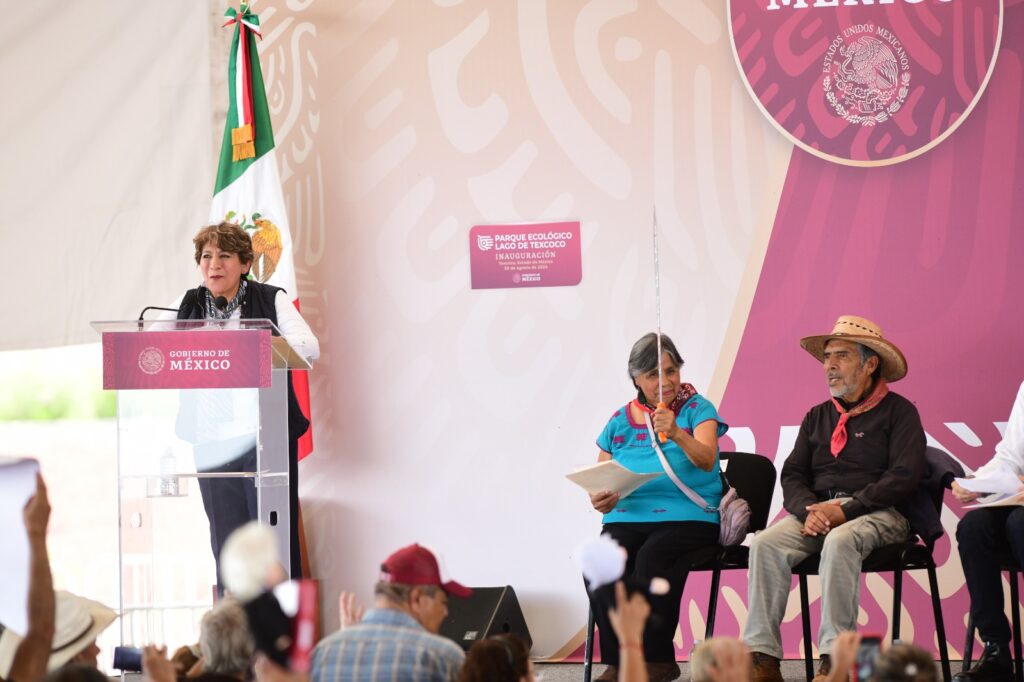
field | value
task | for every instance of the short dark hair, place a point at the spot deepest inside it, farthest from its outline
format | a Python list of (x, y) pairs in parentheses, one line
[(503, 658), (225, 236)]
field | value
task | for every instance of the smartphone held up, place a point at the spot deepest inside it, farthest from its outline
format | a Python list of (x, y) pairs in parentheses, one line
[(867, 657)]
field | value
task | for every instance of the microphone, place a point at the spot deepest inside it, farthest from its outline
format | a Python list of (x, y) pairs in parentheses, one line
[(220, 302), (155, 307)]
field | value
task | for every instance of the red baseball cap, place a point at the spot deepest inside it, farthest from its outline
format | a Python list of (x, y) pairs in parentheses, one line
[(417, 565)]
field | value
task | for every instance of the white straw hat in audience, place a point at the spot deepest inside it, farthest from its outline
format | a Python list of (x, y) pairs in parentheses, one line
[(79, 621)]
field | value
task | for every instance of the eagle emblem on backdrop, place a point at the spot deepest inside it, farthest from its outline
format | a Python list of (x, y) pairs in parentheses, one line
[(865, 83), (267, 244)]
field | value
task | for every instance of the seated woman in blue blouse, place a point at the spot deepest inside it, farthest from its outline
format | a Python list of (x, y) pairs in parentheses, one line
[(657, 523)]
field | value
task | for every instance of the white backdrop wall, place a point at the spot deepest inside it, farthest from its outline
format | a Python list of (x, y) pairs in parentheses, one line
[(105, 165)]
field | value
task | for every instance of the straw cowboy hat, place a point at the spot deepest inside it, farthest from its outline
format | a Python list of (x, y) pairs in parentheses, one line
[(79, 621), (867, 333)]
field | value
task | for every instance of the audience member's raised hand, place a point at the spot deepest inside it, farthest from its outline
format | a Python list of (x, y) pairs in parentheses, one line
[(844, 653), (629, 616), (156, 667), (349, 612), (32, 654), (37, 511), (628, 619), (732, 661)]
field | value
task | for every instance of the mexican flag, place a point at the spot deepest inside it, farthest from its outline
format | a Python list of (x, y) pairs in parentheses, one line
[(248, 189)]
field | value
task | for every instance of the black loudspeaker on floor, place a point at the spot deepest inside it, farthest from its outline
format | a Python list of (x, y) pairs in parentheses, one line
[(490, 611)]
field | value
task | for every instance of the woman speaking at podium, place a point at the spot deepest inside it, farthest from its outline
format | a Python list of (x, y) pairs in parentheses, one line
[(222, 424), (657, 524)]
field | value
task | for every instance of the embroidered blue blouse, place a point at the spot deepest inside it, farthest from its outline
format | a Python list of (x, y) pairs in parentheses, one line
[(659, 499)]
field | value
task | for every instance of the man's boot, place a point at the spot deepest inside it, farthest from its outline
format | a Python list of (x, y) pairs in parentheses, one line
[(993, 666), (766, 668)]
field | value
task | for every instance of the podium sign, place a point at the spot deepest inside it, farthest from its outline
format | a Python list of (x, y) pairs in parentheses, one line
[(202, 448), (211, 358)]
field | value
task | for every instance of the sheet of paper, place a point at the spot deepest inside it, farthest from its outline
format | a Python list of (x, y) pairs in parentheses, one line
[(17, 485), (998, 481), (998, 500), (609, 475)]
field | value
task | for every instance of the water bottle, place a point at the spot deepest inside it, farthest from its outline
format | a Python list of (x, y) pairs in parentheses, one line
[(168, 481)]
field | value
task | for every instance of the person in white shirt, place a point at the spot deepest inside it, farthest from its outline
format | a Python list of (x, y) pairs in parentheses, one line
[(985, 535)]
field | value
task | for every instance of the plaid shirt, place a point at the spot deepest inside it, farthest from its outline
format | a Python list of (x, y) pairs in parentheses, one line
[(387, 645)]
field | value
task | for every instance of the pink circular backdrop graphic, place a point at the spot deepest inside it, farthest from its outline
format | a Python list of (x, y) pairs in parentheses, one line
[(866, 84)]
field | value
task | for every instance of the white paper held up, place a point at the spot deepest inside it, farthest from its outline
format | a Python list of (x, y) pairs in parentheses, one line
[(17, 485), (609, 475)]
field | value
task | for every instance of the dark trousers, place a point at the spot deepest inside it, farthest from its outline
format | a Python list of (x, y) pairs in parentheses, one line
[(983, 536), (231, 502), (293, 508), (654, 550)]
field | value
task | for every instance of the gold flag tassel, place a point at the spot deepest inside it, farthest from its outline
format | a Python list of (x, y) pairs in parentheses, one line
[(242, 145)]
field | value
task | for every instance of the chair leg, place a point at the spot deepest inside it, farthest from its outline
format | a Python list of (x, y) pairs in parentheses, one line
[(716, 578), (897, 602), (805, 618), (940, 623), (588, 648), (969, 643), (1018, 666)]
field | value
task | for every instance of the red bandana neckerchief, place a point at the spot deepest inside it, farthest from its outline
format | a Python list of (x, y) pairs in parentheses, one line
[(686, 391), (839, 434)]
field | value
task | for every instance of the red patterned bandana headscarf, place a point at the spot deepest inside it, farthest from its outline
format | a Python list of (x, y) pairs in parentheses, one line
[(839, 434)]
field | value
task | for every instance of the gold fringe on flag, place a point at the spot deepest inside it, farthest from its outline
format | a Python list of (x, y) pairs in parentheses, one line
[(242, 146)]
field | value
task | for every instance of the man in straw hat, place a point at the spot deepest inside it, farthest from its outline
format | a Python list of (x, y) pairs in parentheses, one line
[(79, 621), (984, 537), (856, 456)]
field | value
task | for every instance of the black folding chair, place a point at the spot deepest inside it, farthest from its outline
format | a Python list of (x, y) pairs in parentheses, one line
[(911, 555), (753, 476), (1009, 564)]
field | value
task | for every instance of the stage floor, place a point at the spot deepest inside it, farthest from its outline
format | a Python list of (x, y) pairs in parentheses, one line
[(792, 671)]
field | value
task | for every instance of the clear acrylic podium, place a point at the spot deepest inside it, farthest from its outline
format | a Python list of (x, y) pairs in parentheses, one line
[(201, 403)]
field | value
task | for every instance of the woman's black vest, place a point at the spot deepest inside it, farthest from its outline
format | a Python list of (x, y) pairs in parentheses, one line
[(258, 303)]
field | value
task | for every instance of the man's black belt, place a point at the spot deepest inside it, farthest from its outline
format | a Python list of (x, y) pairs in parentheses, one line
[(831, 494)]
